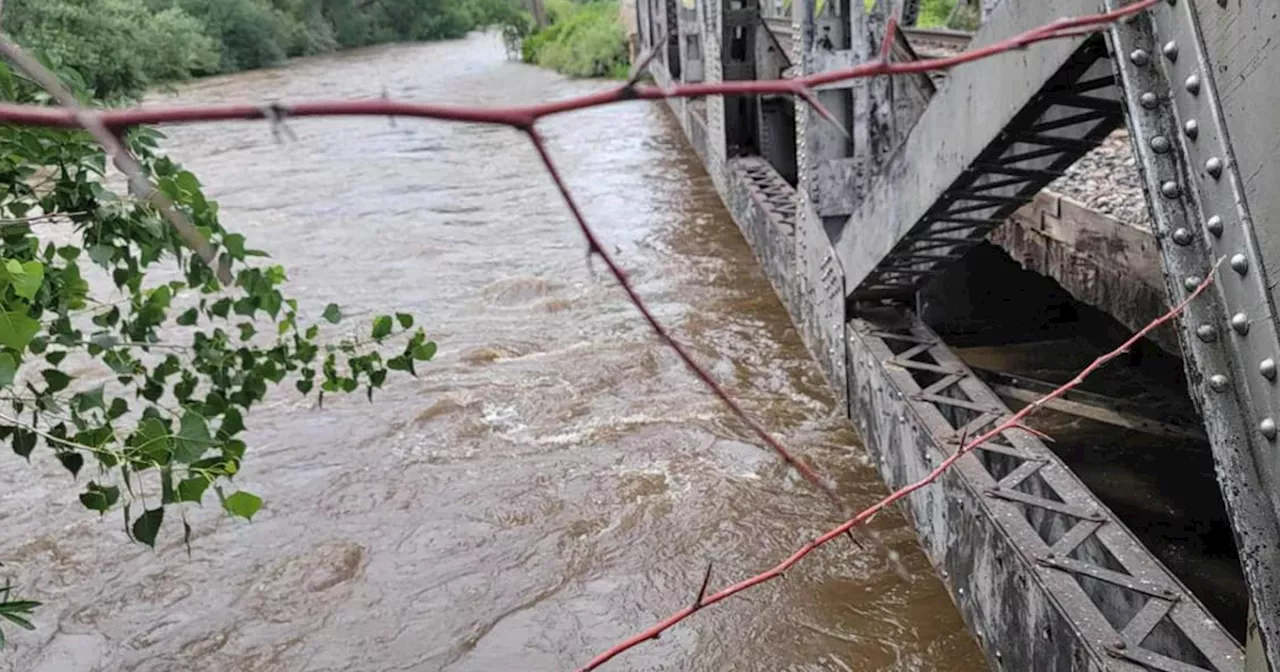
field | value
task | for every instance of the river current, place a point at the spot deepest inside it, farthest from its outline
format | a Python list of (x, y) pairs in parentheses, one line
[(554, 482)]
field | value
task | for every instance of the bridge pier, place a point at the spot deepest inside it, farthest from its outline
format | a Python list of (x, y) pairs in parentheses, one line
[(869, 240)]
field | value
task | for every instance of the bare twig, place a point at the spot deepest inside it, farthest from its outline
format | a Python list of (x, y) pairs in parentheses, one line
[(702, 592), (637, 70), (890, 34), (120, 155), (49, 216)]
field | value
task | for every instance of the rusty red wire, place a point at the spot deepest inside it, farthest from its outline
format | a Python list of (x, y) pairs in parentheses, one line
[(525, 117)]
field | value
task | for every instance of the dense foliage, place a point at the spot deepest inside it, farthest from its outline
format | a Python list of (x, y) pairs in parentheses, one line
[(122, 355), (582, 39), (121, 46)]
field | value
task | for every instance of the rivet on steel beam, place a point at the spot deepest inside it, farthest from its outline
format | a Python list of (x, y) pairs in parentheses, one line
[(1149, 100), (1218, 383), (1268, 368), (1121, 644), (1240, 322), (1170, 189), (1268, 428), (1207, 333), (1192, 282), (1214, 166), (1191, 128), (1240, 263), (1182, 236), (1214, 225), (1170, 50), (1159, 144), (1193, 84), (1140, 57)]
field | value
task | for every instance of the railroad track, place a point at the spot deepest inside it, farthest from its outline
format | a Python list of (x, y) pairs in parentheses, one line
[(926, 41)]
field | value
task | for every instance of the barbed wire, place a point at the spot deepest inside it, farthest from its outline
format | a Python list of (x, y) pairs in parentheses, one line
[(102, 123)]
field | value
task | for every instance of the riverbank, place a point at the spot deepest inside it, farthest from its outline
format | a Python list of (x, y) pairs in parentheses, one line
[(138, 44), (581, 40)]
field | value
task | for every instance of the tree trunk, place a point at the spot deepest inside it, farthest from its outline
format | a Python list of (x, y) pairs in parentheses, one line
[(539, 13)]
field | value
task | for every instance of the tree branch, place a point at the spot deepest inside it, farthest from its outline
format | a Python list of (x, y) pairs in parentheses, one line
[(120, 156)]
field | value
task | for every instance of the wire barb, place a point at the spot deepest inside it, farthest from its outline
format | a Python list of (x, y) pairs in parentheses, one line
[(702, 592), (890, 34), (275, 113), (810, 97), (638, 69)]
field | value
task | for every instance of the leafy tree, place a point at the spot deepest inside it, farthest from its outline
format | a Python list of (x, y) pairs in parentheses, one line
[(93, 280), (117, 46), (121, 46), (253, 33)]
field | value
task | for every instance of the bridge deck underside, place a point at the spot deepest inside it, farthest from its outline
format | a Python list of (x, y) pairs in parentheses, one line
[(1073, 113), (1075, 110)]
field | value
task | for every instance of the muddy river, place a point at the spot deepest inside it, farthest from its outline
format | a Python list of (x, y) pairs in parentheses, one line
[(552, 483)]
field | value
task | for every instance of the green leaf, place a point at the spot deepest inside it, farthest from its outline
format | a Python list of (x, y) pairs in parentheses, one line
[(72, 461), (220, 307), (118, 408), (405, 320), (246, 331), (187, 182), (8, 369), (167, 496), (381, 326), (24, 441), (56, 380), (27, 282), (425, 352), (304, 386), (16, 329), (188, 317), (232, 424), (102, 254), (234, 243), (151, 441), (332, 313), (16, 619), (243, 504), (192, 489), (147, 526), (84, 401), (99, 498), (193, 438)]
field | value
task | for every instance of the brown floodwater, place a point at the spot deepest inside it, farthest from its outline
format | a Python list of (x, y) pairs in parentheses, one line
[(552, 483)]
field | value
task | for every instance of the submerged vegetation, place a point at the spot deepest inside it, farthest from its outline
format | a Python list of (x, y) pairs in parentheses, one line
[(582, 39)]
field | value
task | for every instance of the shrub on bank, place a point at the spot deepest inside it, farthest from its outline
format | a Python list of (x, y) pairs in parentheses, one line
[(582, 39), (120, 47)]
